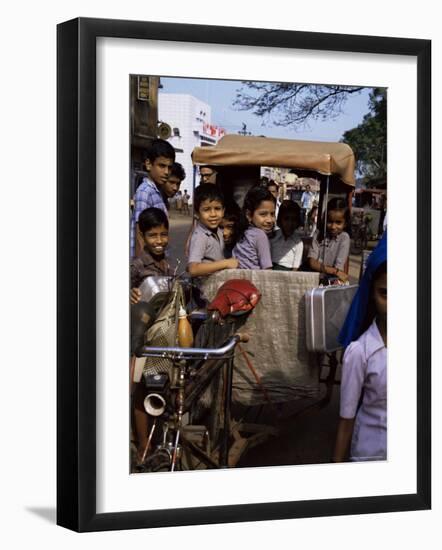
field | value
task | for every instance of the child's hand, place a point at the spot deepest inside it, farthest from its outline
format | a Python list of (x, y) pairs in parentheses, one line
[(232, 263), (135, 295), (342, 276)]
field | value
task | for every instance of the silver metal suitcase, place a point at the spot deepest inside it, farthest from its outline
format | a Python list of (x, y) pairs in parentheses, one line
[(326, 310)]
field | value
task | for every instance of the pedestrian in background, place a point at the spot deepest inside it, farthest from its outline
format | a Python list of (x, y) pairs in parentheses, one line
[(306, 203), (185, 199), (179, 202)]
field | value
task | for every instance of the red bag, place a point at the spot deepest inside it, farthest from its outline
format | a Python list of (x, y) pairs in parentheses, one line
[(235, 297)]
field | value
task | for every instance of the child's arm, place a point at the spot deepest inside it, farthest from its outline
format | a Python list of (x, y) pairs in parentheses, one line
[(317, 265), (197, 250), (263, 250), (135, 295), (342, 256), (313, 257), (135, 280), (343, 439), (200, 269)]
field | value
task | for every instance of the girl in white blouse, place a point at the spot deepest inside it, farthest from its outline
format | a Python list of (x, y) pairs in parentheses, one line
[(286, 245)]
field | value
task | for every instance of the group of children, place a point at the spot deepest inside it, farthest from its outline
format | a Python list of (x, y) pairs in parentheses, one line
[(226, 237)]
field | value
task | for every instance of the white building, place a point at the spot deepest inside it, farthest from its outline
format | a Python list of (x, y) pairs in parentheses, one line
[(190, 119)]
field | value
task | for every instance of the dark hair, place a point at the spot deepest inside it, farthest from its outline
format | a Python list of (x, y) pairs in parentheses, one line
[(152, 217), (311, 215), (159, 148), (272, 183), (207, 191), (233, 214), (177, 170), (336, 204), (291, 208), (254, 197), (211, 166), (371, 307)]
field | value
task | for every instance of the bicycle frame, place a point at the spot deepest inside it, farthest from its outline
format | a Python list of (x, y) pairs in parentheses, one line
[(187, 390)]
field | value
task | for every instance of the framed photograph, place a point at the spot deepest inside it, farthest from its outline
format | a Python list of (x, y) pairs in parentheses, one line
[(170, 136)]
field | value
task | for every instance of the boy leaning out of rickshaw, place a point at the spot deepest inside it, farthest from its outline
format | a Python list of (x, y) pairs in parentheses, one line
[(206, 249)]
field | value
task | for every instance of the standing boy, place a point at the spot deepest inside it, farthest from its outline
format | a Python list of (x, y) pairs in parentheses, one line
[(206, 250), (150, 193), (172, 186)]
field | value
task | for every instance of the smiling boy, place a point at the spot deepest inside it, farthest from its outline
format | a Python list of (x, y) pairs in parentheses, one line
[(150, 193), (206, 251)]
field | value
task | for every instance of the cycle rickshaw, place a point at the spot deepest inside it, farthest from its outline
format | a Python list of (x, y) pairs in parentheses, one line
[(281, 362)]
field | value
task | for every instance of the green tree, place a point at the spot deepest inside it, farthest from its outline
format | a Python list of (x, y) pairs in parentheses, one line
[(286, 104), (369, 140)]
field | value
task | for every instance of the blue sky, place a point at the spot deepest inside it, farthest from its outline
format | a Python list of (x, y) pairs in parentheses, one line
[(219, 94)]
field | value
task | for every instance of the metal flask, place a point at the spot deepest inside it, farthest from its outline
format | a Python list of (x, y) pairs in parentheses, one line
[(152, 285)]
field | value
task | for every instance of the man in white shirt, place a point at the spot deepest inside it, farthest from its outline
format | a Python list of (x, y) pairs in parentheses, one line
[(306, 203)]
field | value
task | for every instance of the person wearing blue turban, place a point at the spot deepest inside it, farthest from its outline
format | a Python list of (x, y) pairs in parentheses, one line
[(358, 317), (362, 429)]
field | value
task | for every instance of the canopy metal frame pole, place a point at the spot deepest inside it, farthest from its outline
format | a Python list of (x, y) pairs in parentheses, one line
[(325, 219)]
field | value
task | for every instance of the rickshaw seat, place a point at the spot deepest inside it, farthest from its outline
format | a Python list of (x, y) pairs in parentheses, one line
[(277, 344)]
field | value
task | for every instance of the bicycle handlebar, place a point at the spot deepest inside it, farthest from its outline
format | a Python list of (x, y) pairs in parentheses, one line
[(195, 353)]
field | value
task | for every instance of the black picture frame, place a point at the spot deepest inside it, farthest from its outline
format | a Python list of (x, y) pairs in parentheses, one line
[(76, 273)]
